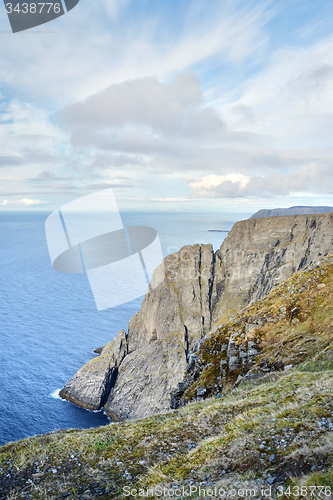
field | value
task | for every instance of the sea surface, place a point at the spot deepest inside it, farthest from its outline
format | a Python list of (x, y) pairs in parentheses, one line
[(49, 324)]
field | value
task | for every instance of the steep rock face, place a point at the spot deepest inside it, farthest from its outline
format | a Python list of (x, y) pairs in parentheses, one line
[(181, 303), (90, 386), (278, 332), (200, 291), (145, 379), (172, 319), (260, 253)]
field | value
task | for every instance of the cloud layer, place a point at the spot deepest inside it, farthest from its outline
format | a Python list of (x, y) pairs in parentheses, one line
[(309, 179), (151, 108), (25, 202), (169, 101)]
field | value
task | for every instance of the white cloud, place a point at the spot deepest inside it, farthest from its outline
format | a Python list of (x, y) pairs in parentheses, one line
[(169, 200), (26, 135), (167, 109), (212, 181), (29, 145), (25, 202), (291, 99), (115, 7), (135, 112), (164, 127), (313, 178)]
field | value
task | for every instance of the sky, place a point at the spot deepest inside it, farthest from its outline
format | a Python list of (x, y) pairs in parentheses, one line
[(178, 105)]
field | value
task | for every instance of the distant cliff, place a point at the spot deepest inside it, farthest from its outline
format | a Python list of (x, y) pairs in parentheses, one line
[(135, 373), (291, 211)]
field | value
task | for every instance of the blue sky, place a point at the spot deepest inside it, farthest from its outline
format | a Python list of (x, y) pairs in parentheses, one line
[(177, 105)]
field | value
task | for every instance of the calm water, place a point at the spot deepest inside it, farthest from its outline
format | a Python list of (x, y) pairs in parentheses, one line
[(49, 325)]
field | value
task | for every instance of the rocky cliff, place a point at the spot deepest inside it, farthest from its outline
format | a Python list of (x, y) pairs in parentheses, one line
[(282, 330), (133, 375)]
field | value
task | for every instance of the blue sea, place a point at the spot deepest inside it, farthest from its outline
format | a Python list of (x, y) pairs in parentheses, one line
[(49, 324)]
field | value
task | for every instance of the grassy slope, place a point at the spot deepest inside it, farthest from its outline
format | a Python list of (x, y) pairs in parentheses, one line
[(264, 428)]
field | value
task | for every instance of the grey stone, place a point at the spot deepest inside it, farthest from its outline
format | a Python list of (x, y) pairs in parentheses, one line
[(238, 381), (254, 376), (271, 319), (234, 363), (192, 362), (288, 367)]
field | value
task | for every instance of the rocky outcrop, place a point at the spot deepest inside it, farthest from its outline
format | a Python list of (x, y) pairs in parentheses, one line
[(201, 290), (172, 318), (91, 385), (278, 332)]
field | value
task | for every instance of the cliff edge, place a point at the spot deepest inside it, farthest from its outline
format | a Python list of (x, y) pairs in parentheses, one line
[(134, 374)]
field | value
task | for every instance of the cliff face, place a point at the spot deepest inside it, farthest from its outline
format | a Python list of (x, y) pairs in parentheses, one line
[(172, 318), (91, 385), (260, 253), (201, 290), (278, 332)]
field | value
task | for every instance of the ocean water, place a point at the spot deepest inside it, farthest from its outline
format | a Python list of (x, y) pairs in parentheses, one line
[(49, 324)]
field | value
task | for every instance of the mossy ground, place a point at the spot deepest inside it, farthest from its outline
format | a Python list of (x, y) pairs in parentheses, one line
[(259, 430), (276, 429)]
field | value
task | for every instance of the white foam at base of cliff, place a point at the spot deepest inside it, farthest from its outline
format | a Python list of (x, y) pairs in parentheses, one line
[(55, 394)]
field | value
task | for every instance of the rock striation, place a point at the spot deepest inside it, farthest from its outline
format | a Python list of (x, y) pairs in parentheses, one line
[(201, 290)]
